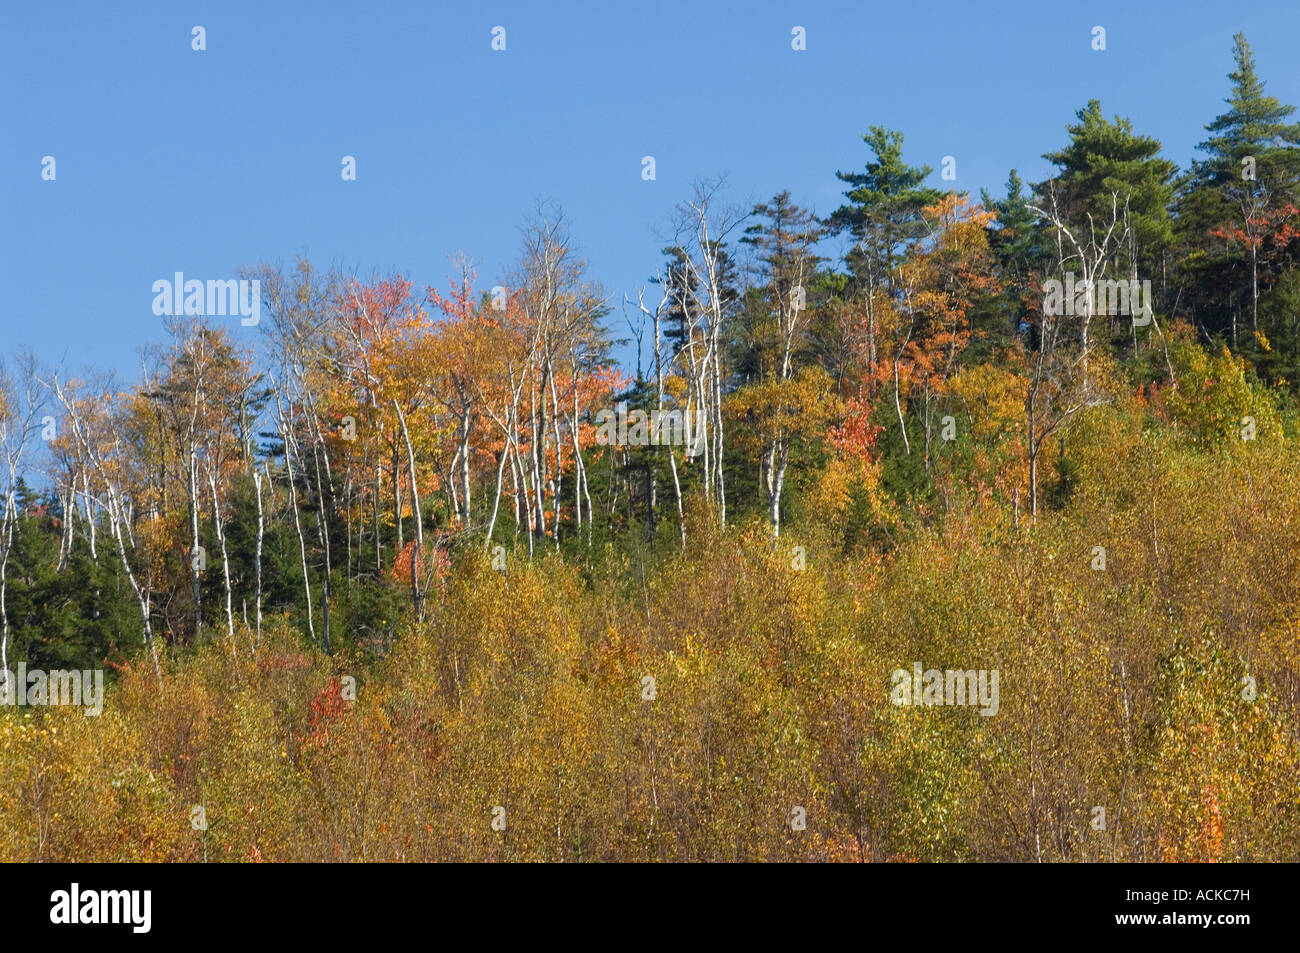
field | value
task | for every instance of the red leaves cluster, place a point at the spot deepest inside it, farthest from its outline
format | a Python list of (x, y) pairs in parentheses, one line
[(1274, 224), (326, 708), (402, 562), (855, 436)]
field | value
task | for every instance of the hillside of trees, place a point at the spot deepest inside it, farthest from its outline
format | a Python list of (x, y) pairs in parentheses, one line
[(426, 574)]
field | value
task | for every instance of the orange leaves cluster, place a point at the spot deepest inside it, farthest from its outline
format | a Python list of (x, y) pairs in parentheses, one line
[(946, 272), (855, 435), (326, 708), (441, 562), (1272, 225)]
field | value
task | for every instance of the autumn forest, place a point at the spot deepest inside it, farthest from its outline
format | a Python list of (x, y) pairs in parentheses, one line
[(516, 567)]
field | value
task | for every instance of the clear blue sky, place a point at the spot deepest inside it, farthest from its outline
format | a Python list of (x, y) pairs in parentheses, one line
[(174, 160)]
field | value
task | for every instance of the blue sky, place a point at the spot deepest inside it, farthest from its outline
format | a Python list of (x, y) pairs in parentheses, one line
[(174, 160)]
